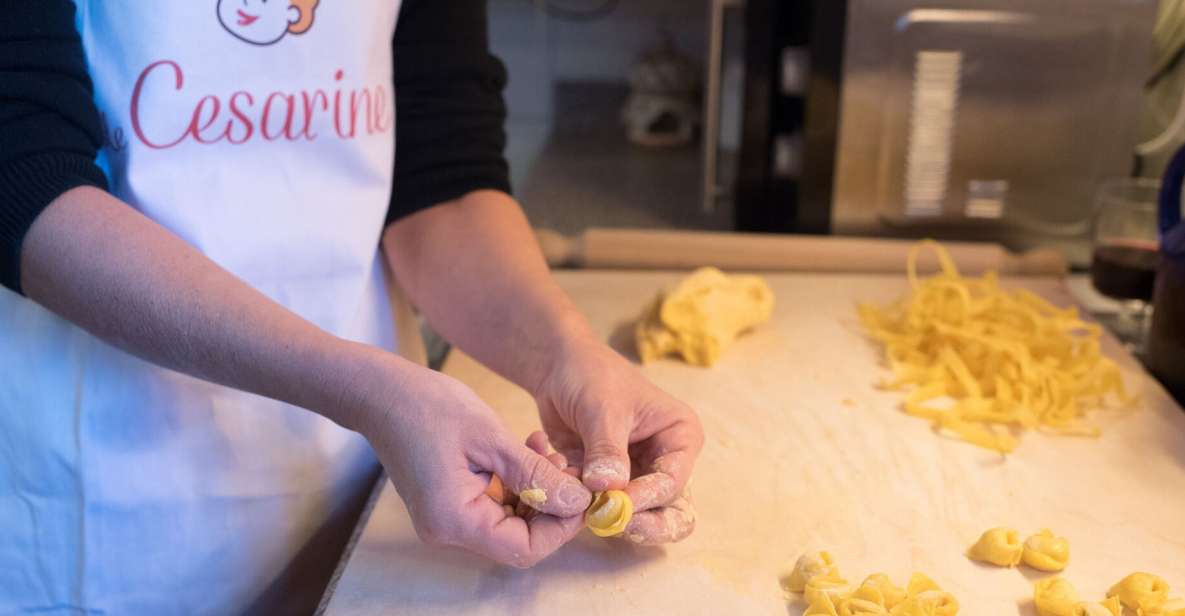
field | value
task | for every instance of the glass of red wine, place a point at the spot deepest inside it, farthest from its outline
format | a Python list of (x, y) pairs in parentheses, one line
[(1126, 253)]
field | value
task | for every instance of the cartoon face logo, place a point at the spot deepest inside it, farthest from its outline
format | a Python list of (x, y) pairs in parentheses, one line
[(263, 22)]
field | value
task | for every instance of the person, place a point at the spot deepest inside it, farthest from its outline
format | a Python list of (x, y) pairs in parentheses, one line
[(202, 208)]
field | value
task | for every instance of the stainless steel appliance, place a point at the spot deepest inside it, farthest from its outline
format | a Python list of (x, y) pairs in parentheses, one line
[(976, 119)]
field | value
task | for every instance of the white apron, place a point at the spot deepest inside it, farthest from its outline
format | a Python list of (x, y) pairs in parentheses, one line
[(262, 133)]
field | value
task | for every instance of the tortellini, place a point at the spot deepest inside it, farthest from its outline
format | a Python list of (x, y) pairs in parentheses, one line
[(1108, 607), (806, 567), (829, 584), (1143, 594), (1141, 591), (1043, 551), (998, 546), (609, 513), (1046, 551), (1055, 597), (828, 594)]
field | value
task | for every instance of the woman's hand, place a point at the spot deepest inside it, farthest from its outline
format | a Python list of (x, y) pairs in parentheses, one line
[(439, 442), (604, 416)]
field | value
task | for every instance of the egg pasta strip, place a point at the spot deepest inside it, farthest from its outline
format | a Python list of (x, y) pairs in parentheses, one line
[(983, 363)]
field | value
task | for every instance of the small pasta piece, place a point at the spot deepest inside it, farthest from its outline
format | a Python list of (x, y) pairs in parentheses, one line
[(920, 583), (808, 566), (998, 546), (830, 584), (890, 592), (1141, 591), (609, 513), (854, 606), (1109, 607), (822, 607), (1055, 596), (1045, 551), (939, 602)]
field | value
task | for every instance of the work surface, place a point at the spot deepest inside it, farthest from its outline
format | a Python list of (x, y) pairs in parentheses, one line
[(804, 451)]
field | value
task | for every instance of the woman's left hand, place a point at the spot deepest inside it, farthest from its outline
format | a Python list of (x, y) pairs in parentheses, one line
[(624, 433)]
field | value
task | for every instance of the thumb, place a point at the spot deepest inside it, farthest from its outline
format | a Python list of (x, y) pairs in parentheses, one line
[(539, 483), (606, 457)]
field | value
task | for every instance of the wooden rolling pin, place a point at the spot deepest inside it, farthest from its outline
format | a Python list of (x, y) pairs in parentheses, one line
[(655, 249)]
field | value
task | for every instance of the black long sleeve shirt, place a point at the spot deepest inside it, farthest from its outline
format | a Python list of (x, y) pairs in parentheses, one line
[(449, 112)]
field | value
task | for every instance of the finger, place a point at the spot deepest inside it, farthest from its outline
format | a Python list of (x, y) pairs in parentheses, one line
[(575, 458), (606, 457), (539, 443), (662, 525), (538, 482), (511, 540), (665, 480)]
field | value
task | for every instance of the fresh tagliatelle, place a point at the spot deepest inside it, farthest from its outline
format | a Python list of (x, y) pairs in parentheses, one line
[(984, 363)]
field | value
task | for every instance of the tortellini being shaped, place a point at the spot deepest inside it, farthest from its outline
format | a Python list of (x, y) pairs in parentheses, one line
[(1046, 551), (609, 513), (998, 546)]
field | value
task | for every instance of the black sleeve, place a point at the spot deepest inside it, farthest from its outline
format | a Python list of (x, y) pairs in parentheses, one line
[(449, 111), (49, 127)]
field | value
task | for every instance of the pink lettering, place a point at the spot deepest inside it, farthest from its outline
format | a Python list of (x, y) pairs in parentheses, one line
[(178, 81), (236, 118), (248, 128)]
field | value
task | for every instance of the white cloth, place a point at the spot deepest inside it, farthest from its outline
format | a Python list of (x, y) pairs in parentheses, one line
[(262, 133)]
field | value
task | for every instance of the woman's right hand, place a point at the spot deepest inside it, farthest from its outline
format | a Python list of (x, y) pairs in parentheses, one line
[(439, 442)]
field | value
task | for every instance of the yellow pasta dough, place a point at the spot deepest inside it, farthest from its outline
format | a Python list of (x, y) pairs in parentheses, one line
[(1108, 607), (822, 607), (829, 594), (610, 513), (1055, 596), (808, 566), (1046, 552), (830, 584), (1141, 591), (890, 593), (702, 315), (998, 546), (1172, 607), (855, 606), (534, 497), (981, 362)]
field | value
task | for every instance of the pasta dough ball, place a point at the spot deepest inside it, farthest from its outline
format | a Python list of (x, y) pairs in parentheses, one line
[(998, 546), (609, 513), (1141, 591), (1046, 551), (1055, 597), (808, 566), (702, 315)]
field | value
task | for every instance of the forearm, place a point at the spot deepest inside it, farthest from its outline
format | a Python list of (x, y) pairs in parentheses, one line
[(473, 267), (102, 265)]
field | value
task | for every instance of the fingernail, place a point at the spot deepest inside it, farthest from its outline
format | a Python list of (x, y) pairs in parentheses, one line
[(608, 470), (574, 497)]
